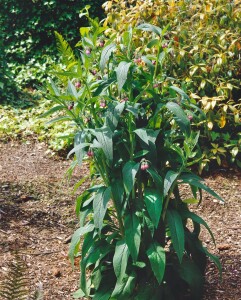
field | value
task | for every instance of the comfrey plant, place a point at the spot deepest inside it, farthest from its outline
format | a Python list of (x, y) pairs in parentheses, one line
[(137, 237)]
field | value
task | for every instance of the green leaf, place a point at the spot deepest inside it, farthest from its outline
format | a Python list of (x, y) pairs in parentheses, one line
[(141, 132), (180, 117), (117, 190), (100, 202), (129, 172), (195, 218), (113, 114), (120, 259), (150, 27), (77, 148), (104, 137), (78, 294), (156, 178), (121, 73), (175, 225), (79, 139), (153, 200), (191, 274), (141, 153), (66, 52), (180, 92), (169, 179), (157, 257), (106, 287), (105, 55), (124, 288), (76, 240), (72, 90), (52, 110), (133, 234), (215, 259), (194, 180)]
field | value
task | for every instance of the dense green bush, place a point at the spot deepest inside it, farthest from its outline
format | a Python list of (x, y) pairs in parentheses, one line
[(135, 127), (27, 32)]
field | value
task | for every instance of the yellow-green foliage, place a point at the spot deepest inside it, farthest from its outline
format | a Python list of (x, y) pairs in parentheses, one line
[(205, 39)]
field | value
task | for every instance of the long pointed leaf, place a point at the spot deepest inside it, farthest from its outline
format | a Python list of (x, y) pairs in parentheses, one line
[(120, 259), (157, 257), (153, 200), (76, 240), (177, 232), (105, 55), (129, 173), (180, 117), (100, 202), (121, 73), (133, 234)]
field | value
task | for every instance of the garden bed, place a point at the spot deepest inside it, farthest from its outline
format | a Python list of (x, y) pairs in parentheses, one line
[(37, 214)]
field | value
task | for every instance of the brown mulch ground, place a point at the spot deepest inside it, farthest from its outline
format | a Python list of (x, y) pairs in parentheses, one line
[(37, 216)]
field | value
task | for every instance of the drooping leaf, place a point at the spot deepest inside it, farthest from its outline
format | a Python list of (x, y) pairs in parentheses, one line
[(100, 202), (195, 218), (120, 259), (153, 200), (192, 275), (78, 148), (52, 110), (76, 240), (157, 257), (124, 288), (169, 179), (180, 117), (121, 73), (133, 234), (79, 139), (129, 173), (156, 178), (180, 92), (105, 55), (196, 181), (72, 90), (104, 138), (113, 114), (175, 225)]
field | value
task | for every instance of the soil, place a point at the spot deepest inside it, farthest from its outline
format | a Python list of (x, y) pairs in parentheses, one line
[(37, 217)]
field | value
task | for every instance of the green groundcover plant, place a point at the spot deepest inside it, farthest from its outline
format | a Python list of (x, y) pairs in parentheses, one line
[(137, 238)]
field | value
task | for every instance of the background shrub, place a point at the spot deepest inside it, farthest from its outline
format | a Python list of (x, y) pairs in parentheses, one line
[(205, 56), (27, 32)]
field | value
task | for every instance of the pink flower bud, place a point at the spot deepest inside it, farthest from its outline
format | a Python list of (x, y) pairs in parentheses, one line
[(155, 85), (88, 51), (153, 62), (77, 84), (144, 166), (164, 45), (190, 117), (90, 153), (102, 104), (101, 43)]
